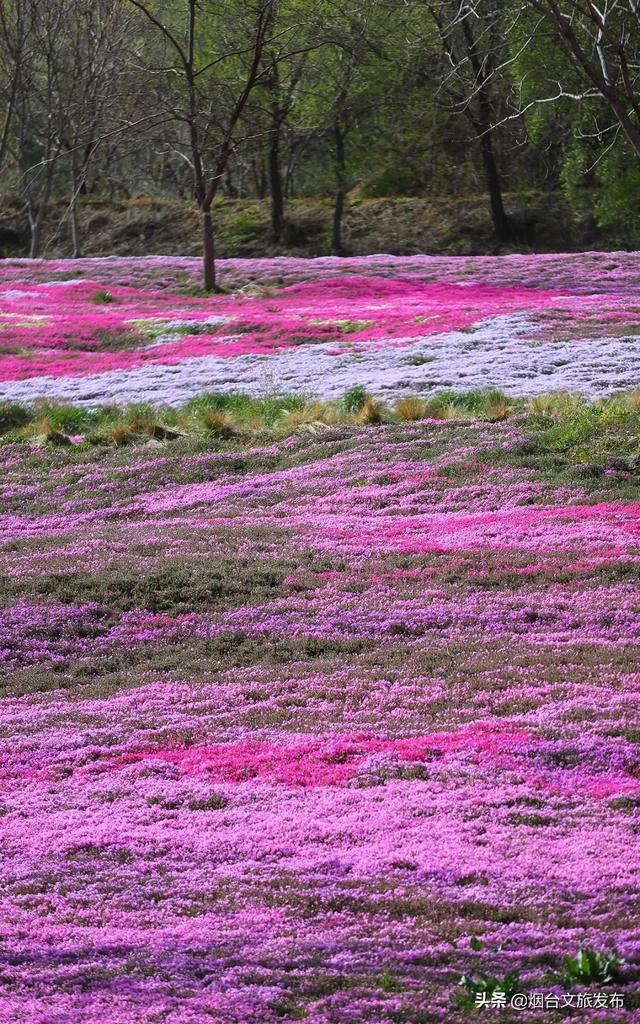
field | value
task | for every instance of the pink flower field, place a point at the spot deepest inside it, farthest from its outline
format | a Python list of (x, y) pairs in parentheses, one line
[(327, 726), (98, 330)]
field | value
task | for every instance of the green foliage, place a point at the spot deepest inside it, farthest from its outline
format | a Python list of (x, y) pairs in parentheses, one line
[(597, 439), (354, 399), (484, 987), (479, 400), (613, 176), (215, 802), (71, 419), (398, 178), (618, 200), (389, 982), (481, 403), (13, 415), (604, 433), (169, 587), (353, 326), (590, 151), (244, 408), (102, 298), (590, 967)]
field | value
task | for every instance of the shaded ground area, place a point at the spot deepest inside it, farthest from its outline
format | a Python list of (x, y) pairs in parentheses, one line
[(439, 225)]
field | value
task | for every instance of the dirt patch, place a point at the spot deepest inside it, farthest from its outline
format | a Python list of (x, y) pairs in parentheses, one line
[(402, 226)]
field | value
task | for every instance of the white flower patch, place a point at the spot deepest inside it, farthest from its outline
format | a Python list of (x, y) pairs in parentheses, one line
[(501, 352), (165, 332)]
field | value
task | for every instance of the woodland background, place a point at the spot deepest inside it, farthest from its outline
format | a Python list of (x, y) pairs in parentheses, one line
[(275, 126)]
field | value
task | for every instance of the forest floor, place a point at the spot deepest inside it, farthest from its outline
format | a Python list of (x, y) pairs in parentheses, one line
[(320, 711), (446, 225)]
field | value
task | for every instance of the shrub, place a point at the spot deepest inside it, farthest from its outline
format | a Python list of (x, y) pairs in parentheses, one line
[(218, 423), (70, 419), (590, 967), (497, 410), (479, 989), (121, 434), (141, 419), (354, 399), (315, 413), (51, 434), (162, 433), (102, 298), (13, 415), (215, 802), (633, 400), (480, 400), (410, 408), (599, 433), (244, 408), (370, 412), (557, 405), (443, 409)]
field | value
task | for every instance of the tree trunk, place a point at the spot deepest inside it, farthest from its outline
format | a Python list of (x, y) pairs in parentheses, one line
[(232, 191), (501, 225), (208, 252), (35, 228), (289, 174), (631, 130), (336, 225), (75, 223), (37, 213), (259, 178), (86, 157), (4, 140), (338, 206), (483, 124), (275, 183), (36, 220)]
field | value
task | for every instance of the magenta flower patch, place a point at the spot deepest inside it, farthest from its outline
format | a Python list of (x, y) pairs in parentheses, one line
[(124, 329)]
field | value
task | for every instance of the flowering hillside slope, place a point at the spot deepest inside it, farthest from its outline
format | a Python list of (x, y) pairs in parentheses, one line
[(310, 729), (95, 330)]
